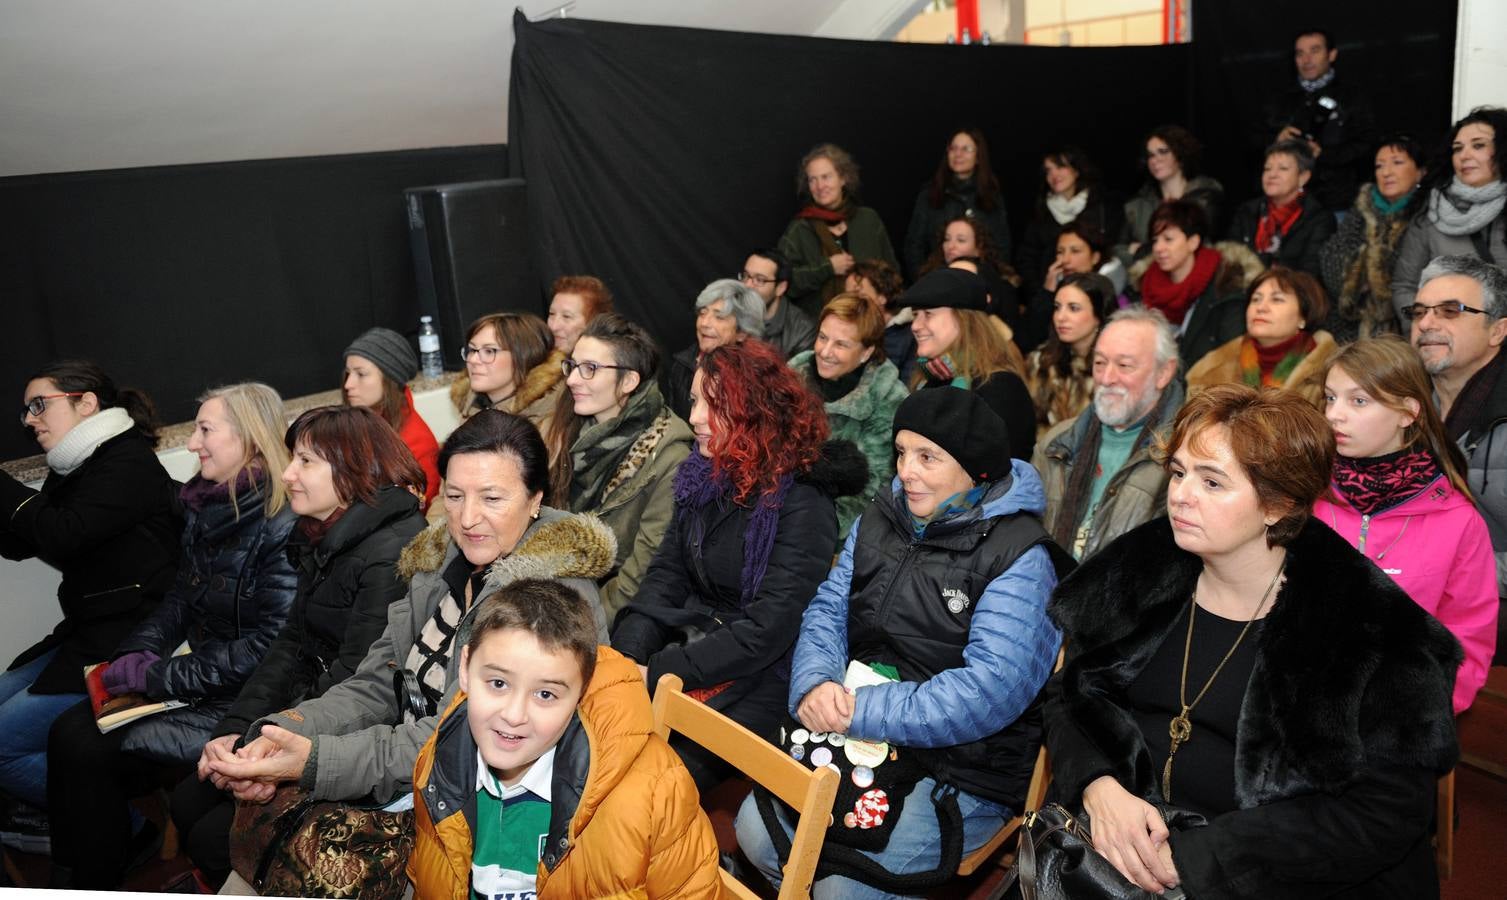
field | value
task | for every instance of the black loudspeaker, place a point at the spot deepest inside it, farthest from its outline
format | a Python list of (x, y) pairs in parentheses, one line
[(471, 255)]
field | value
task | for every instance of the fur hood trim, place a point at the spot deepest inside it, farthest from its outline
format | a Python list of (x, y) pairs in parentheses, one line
[(558, 545), (1350, 672), (1239, 267), (540, 380), (841, 471)]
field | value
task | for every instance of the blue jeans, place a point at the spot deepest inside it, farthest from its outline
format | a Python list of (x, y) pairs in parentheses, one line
[(25, 719), (914, 845)]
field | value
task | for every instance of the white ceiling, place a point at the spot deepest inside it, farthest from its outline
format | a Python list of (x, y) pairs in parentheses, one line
[(104, 84)]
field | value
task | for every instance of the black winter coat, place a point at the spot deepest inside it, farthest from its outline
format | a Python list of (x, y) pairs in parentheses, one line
[(701, 585), (1345, 725), (231, 598), (679, 370), (112, 528), (1038, 245), (1300, 247), (960, 198), (1345, 129), (345, 585)]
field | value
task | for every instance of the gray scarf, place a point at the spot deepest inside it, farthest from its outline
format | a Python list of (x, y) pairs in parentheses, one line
[(1461, 209), (84, 438)]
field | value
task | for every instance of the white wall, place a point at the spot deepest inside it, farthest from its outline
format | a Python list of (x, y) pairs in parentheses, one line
[(104, 84), (1480, 55)]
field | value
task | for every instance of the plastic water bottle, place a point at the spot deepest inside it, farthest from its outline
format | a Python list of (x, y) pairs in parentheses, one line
[(429, 349)]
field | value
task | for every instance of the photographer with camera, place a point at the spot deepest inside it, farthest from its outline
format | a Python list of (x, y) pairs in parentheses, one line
[(1327, 113)]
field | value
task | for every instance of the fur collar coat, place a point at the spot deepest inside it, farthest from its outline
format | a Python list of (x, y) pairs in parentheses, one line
[(1345, 725)]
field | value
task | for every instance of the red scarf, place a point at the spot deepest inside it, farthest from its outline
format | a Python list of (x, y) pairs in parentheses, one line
[(1277, 221), (821, 213), (1158, 290)]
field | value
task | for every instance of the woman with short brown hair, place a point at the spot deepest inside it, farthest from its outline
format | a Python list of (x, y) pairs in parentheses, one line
[(1241, 664)]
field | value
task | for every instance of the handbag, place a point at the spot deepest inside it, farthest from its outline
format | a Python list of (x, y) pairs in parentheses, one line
[(1056, 860), (874, 780), (295, 846)]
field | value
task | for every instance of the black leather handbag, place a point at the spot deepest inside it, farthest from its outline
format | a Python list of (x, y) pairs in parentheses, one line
[(1056, 860)]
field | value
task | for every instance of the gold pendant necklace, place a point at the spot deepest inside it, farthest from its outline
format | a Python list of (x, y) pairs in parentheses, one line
[(1180, 729)]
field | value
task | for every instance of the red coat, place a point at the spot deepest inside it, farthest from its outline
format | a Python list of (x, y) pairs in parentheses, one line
[(420, 440)]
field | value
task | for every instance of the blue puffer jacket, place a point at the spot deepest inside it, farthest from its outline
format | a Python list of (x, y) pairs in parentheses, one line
[(231, 597), (974, 691)]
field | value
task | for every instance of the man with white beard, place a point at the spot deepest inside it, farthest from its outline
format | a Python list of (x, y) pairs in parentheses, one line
[(1459, 325), (1099, 468)]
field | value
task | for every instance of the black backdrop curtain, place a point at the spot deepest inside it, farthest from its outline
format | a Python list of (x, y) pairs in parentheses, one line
[(179, 278), (657, 157)]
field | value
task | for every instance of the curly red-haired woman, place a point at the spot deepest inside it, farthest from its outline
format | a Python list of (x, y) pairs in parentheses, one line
[(750, 541)]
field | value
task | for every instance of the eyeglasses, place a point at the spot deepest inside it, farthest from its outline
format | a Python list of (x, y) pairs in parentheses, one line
[(759, 280), (1449, 309), (38, 405), (1159, 151), (588, 369), (485, 354)]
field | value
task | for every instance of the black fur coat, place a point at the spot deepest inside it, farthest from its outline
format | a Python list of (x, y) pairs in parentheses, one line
[(1345, 725)]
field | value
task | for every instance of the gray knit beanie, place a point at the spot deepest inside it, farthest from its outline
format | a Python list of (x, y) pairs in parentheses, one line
[(388, 351)]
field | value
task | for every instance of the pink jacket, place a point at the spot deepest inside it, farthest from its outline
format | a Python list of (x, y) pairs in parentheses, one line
[(1435, 546)]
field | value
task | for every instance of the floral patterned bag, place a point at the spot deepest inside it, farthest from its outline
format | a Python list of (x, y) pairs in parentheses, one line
[(296, 846)]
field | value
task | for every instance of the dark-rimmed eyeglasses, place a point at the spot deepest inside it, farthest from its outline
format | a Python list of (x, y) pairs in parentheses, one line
[(588, 369), (1449, 309), (760, 280), (485, 354), (37, 405)]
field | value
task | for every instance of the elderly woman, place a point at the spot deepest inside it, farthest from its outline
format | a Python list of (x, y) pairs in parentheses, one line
[(1241, 661), (378, 366), (1070, 192), (970, 664), (1286, 226), (1464, 216), (229, 601), (1197, 287), (354, 486), (879, 284), (860, 391), (511, 365), (1397, 468), (727, 312), (964, 184), (1171, 161), (105, 517), (575, 301), (958, 344), (618, 447), (831, 231), (356, 740), (1060, 374), (1283, 345), (1359, 259), (750, 540)]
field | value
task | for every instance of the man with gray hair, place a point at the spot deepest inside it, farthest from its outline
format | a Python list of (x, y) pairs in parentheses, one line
[(1099, 469), (727, 312), (1459, 323)]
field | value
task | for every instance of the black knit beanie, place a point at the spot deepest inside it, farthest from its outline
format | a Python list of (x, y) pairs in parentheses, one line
[(388, 351), (961, 423)]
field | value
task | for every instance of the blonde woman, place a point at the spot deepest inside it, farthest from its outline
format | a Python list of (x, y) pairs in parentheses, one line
[(231, 597), (959, 344)]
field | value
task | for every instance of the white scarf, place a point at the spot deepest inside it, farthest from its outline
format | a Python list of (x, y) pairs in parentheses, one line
[(84, 438), (1461, 209), (1066, 210)]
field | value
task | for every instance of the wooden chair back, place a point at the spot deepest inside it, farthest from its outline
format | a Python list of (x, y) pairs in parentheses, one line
[(810, 792)]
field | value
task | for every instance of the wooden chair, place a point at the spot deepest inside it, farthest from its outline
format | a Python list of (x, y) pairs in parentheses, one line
[(1444, 826), (1036, 793), (810, 792)]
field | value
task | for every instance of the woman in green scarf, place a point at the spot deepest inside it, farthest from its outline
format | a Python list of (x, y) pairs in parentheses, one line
[(621, 445)]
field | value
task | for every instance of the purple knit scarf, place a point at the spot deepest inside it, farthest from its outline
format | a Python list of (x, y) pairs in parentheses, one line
[(696, 486)]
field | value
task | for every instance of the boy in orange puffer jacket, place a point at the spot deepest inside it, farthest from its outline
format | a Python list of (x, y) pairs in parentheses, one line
[(544, 777)]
